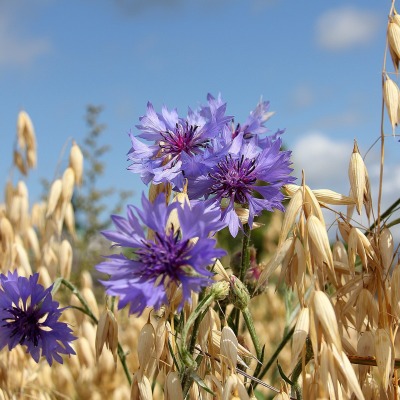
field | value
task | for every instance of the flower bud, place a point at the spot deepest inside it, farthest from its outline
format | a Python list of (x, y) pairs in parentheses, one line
[(238, 295), (220, 290)]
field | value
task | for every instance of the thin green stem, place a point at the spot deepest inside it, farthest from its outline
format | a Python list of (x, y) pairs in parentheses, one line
[(186, 354), (271, 361), (86, 310), (248, 319), (299, 368), (196, 327)]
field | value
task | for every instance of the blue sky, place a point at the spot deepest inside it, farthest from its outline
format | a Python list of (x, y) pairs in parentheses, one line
[(319, 63)]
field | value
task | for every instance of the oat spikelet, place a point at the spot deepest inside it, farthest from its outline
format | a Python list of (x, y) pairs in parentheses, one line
[(292, 210), (326, 316), (229, 347), (76, 162), (318, 235), (55, 193), (107, 333), (146, 346), (393, 36), (68, 181), (173, 387), (65, 258), (386, 247), (300, 334), (391, 98), (384, 356), (330, 197), (357, 177), (395, 291)]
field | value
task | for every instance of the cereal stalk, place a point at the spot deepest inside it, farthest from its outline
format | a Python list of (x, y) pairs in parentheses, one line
[(86, 310)]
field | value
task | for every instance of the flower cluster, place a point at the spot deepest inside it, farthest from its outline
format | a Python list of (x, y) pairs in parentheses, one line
[(225, 164), (29, 316), (225, 167)]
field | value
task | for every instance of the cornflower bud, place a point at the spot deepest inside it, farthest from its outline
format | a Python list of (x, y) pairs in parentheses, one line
[(238, 295)]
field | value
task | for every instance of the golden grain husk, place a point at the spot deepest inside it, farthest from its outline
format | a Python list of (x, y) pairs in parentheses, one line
[(357, 177), (76, 163), (173, 387), (384, 354)]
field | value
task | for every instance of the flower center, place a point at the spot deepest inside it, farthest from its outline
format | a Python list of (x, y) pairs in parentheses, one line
[(25, 324), (233, 178), (164, 257), (184, 138)]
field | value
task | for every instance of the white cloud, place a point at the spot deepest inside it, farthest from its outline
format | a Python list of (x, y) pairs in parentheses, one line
[(18, 48), (346, 27), (324, 161)]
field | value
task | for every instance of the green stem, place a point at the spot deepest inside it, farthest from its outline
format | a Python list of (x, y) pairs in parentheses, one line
[(385, 214), (248, 319), (271, 361), (86, 310), (196, 326), (244, 266), (186, 354), (299, 367)]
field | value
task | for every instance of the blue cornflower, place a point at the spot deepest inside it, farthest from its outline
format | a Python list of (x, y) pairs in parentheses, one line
[(232, 174), (29, 316), (174, 140), (169, 260)]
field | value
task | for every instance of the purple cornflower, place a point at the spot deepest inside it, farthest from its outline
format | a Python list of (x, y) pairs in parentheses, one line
[(29, 316), (232, 178), (169, 260), (174, 141)]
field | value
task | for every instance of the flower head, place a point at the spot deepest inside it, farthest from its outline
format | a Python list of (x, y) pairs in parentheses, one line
[(174, 141), (232, 178), (29, 317), (169, 260)]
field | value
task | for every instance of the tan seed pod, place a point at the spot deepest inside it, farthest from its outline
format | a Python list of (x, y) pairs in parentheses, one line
[(44, 277), (366, 306), (319, 237), (20, 163), (144, 386), (86, 280), (23, 259), (155, 190), (25, 131), (54, 196), (243, 215), (290, 189), (386, 246), (313, 205), (367, 193), (31, 158), (393, 35), (33, 242), (173, 387), (384, 356), (391, 97), (292, 210), (68, 181), (146, 346), (326, 316), (300, 334), (330, 197), (76, 162), (229, 347), (339, 252), (365, 348), (234, 389), (6, 234), (65, 258), (357, 177), (352, 249), (107, 333), (69, 219)]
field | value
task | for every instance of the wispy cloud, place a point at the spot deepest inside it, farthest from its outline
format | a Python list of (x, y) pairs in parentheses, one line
[(346, 27), (324, 160), (18, 48)]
